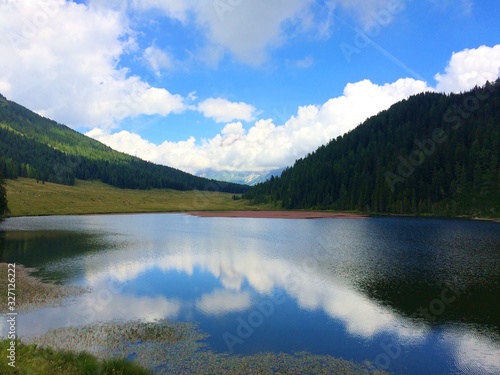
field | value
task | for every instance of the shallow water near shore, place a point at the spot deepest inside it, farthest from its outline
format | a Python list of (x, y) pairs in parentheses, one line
[(408, 295)]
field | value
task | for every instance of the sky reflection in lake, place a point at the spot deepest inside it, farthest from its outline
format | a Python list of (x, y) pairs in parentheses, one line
[(349, 288)]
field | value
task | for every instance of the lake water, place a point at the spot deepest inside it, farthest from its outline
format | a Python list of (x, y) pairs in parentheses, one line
[(418, 296)]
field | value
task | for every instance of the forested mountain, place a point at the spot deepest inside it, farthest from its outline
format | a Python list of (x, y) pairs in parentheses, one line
[(35, 147), (430, 154)]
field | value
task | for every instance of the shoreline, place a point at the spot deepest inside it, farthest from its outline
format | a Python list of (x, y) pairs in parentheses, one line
[(278, 214), (265, 214)]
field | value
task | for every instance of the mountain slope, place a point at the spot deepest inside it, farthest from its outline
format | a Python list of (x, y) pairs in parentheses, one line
[(36, 147), (430, 154)]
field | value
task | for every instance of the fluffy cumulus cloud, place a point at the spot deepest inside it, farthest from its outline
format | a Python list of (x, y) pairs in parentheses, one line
[(63, 61), (470, 67), (267, 145), (75, 50), (222, 110)]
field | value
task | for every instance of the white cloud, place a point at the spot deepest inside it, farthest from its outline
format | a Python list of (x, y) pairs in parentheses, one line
[(222, 110), (63, 64), (267, 145), (469, 68), (228, 26), (157, 59), (248, 28), (74, 51)]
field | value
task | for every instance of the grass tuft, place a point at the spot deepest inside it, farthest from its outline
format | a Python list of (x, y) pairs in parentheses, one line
[(31, 359)]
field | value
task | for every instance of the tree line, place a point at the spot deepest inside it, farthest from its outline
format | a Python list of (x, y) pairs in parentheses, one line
[(430, 154)]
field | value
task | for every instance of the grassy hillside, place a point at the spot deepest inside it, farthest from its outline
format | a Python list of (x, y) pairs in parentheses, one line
[(28, 198)]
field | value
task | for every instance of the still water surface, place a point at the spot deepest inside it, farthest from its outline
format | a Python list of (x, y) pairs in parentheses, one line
[(417, 296)]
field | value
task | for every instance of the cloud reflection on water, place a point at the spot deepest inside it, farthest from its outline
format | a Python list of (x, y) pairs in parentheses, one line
[(340, 301), (229, 266)]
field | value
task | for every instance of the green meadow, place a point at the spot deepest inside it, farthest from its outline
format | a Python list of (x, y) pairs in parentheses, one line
[(27, 197)]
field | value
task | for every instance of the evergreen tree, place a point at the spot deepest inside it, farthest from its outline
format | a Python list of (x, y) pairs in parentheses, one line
[(4, 209)]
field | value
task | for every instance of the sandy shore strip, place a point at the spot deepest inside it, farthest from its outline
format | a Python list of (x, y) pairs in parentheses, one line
[(279, 214)]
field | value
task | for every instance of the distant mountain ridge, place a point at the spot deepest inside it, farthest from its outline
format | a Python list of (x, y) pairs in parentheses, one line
[(429, 154), (250, 178), (36, 147)]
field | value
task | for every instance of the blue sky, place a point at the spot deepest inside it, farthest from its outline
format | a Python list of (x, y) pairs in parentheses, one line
[(236, 85)]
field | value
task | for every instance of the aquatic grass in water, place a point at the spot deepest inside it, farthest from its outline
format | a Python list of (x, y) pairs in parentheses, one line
[(167, 348)]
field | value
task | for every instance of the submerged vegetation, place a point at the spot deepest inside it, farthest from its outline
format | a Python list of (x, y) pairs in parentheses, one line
[(167, 348)]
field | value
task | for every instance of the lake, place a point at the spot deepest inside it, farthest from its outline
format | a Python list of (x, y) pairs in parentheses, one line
[(410, 295)]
